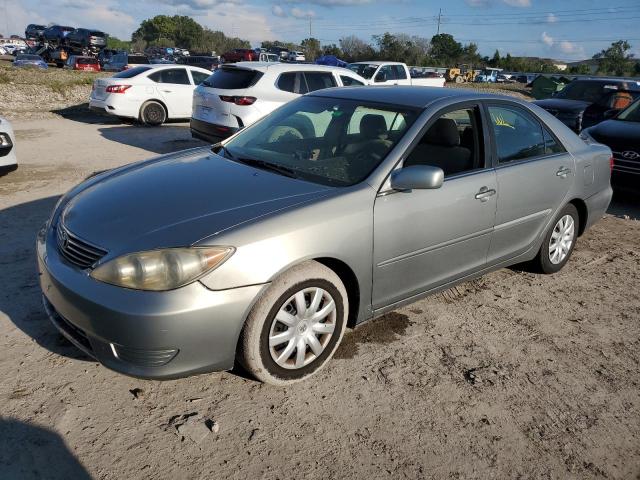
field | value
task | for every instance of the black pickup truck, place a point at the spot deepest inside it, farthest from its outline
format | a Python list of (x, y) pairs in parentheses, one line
[(587, 101)]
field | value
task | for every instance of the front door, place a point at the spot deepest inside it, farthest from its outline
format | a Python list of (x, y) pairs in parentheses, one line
[(427, 238)]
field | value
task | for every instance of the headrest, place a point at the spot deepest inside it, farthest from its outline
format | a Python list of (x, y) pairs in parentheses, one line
[(373, 126), (444, 132)]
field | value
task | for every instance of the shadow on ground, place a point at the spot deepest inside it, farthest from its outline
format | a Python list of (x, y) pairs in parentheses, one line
[(163, 139), (81, 113), (30, 452), (20, 297), (625, 205)]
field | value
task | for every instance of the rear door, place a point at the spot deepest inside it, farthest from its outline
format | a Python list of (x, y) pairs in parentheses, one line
[(176, 89), (534, 175)]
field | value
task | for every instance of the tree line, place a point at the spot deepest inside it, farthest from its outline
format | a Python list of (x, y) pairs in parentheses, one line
[(441, 50)]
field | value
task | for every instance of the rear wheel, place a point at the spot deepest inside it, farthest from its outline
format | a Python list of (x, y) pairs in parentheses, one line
[(152, 113), (559, 241), (296, 326)]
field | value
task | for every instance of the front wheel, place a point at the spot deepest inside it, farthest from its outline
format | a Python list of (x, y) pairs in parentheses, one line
[(296, 326), (559, 241), (152, 113)]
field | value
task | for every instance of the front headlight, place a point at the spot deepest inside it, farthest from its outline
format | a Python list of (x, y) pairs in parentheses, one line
[(160, 270)]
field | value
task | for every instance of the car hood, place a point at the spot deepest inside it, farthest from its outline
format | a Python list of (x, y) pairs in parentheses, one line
[(177, 200), (563, 105), (617, 132)]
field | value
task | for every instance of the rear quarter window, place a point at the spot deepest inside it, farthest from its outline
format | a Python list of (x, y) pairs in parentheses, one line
[(233, 78)]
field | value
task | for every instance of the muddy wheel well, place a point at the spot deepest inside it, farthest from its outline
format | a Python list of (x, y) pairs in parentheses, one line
[(350, 283), (582, 213)]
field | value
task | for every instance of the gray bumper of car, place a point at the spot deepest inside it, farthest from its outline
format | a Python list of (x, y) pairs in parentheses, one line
[(210, 132), (158, 335)]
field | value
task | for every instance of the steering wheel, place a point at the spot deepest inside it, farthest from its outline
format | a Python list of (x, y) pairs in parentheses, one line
[(284, 132)]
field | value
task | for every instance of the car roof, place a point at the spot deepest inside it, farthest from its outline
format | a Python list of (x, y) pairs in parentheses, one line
[(406, 95), (284, 67), (378, 62)]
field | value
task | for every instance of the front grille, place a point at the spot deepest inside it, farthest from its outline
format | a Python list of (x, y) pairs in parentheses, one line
[(74, 334), (75, 250)]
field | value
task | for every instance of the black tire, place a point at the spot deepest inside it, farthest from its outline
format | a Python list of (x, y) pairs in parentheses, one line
[(256, 354), (543, 262), (152, 113)]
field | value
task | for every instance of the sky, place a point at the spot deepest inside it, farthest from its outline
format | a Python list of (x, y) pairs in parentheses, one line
[(563, 30)]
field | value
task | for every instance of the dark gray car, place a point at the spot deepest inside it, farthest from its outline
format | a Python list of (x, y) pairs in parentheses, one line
[(336, 208)]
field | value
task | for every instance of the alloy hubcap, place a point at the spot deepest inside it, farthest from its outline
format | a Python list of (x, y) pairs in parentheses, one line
[(561, 239), (302, 328)]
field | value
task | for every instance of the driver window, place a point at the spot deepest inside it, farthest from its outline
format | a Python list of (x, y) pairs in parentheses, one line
[(518, 135), (452, 143)]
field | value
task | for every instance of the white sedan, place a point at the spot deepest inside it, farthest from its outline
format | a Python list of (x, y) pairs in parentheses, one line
[(8, 160), (149, 93)]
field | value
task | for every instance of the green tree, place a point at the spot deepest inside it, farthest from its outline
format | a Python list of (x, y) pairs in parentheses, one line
[(582, 69), (445, 51), (332, 49), (116, 44), (496, 60), (311, 48), (615, 60), (355, 49), (182, 30)]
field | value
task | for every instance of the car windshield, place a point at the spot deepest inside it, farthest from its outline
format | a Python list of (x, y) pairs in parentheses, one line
[(329, 141), (364, 69), (586, 91), (631, 113), (132, 72)]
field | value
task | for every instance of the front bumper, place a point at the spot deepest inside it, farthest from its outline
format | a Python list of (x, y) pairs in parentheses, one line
[(158, 335), (210, 132)]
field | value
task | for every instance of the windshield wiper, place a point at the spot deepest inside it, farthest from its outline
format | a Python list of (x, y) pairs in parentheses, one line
[(282, 170), (221, 148)]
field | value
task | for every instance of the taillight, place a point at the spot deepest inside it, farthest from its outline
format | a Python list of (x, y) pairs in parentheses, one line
[(238, 100), (611, 163), (117, 88)]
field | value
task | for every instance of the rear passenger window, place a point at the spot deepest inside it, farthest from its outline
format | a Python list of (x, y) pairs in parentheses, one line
[(349, 81), (518, 135), (292, 82), (173, 75), (319, 80)]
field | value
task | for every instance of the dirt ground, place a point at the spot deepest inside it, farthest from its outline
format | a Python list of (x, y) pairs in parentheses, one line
[(514, 375)]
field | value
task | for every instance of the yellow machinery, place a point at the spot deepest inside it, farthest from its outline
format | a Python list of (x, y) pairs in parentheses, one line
[(461, 74)]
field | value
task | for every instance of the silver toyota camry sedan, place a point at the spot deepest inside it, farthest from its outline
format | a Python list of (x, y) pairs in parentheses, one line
[(334, 209)]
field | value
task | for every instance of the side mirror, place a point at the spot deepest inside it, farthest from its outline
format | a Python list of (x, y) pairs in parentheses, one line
[(418, 177), (610, 113), (380, 77)]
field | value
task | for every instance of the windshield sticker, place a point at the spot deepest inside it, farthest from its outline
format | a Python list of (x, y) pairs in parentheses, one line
[(501, 122)]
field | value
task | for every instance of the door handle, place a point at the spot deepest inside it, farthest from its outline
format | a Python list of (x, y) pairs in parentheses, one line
[(167, 91), (563, 172), (484, 194)]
